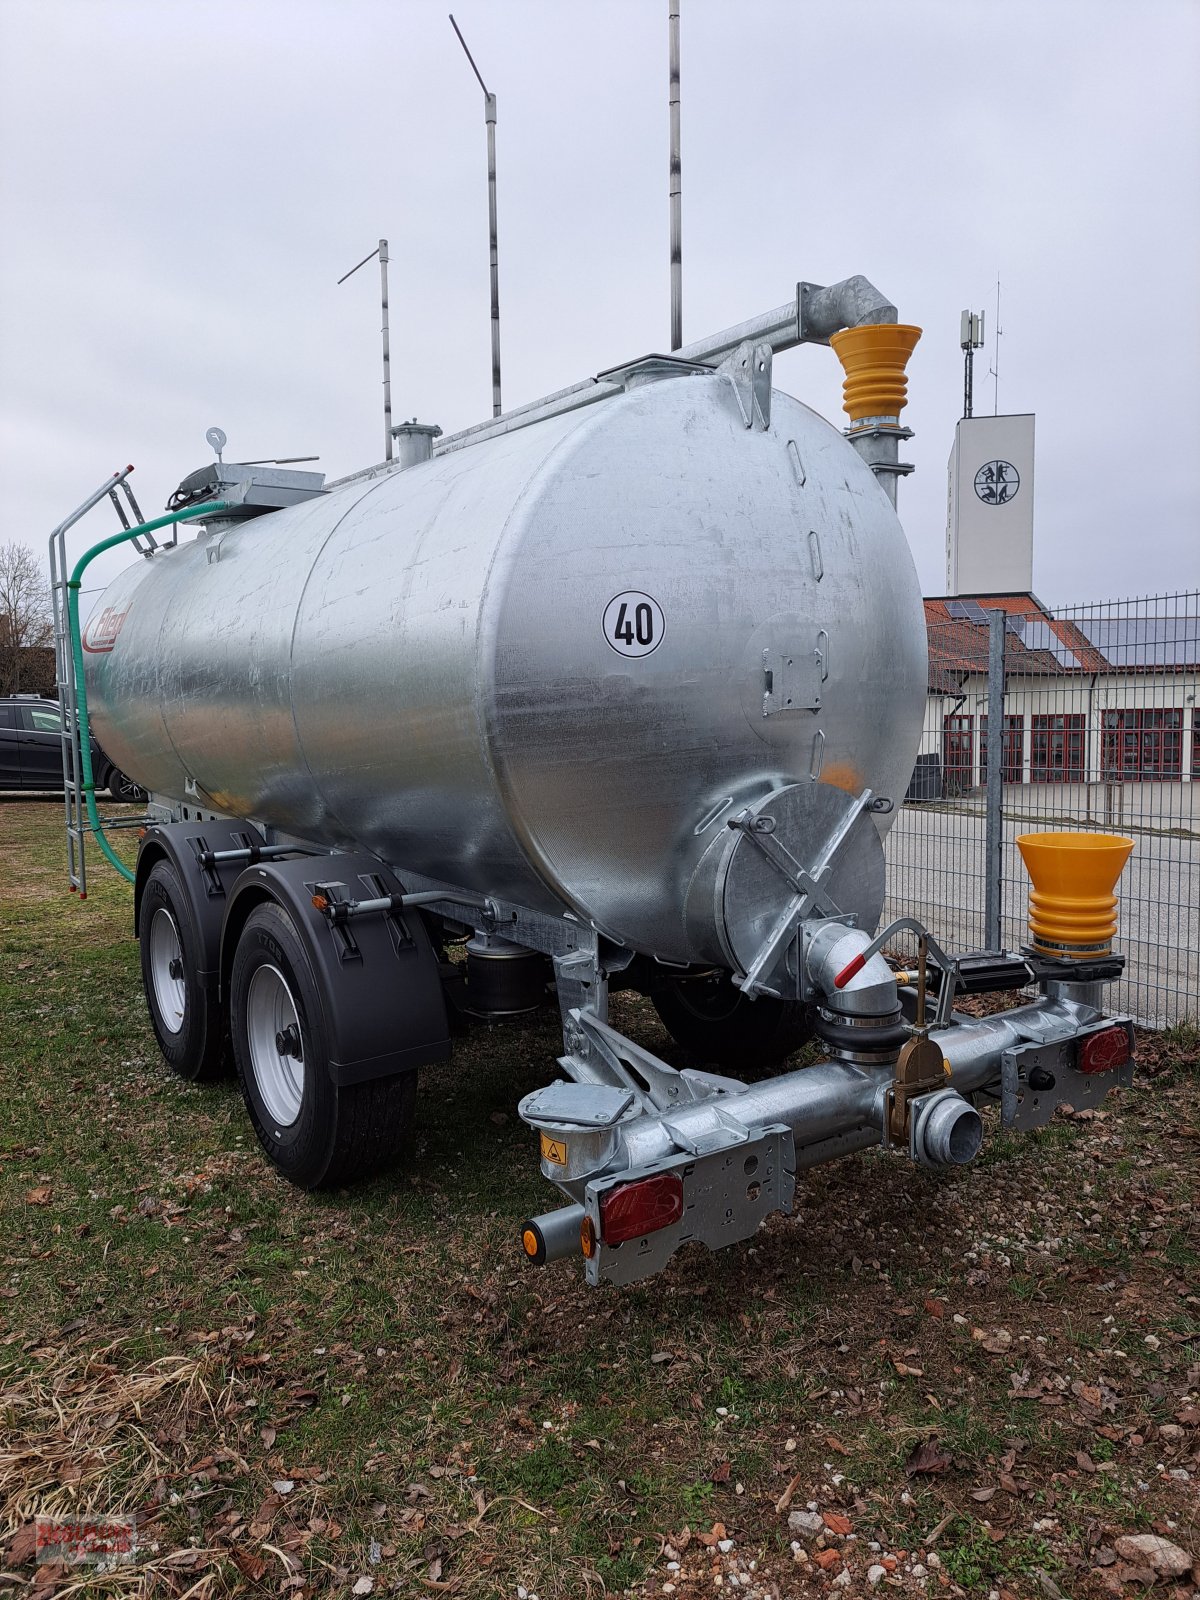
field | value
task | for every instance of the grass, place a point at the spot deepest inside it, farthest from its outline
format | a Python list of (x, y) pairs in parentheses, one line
[(180, 1331)]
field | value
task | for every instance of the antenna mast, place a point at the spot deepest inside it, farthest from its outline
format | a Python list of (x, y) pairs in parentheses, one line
[(994, 371), (489, 117), (676, 179), (970, 340), (381, 250)]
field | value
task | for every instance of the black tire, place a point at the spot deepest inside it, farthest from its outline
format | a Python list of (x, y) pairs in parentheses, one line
[(715, 1022), (187, 1019), (337, 1134), (123, 789)]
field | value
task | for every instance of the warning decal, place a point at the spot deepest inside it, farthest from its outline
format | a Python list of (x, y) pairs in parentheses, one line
[(554, 1150)]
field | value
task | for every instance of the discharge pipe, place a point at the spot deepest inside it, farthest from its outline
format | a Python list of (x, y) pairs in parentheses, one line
[(207, 509)]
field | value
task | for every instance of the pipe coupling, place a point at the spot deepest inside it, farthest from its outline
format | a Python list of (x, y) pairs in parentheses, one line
[(946, 1130)]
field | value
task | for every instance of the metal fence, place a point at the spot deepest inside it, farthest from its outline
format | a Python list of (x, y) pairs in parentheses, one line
[(1100, 730)]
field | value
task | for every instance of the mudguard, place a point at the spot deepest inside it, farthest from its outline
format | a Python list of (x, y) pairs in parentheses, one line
[(378, 974), (207, 888)]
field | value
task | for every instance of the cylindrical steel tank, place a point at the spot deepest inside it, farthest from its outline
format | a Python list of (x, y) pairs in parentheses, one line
[(548, 666)]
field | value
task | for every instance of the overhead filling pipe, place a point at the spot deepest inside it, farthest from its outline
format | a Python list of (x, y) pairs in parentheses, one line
[(207, 509), (853, 316), (813, 317)]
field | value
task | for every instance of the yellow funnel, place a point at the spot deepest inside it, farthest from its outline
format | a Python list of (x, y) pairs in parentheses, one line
[(874, 359), (1072, 909)]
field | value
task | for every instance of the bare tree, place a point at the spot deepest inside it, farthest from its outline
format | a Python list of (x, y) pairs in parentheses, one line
[(25, 628)]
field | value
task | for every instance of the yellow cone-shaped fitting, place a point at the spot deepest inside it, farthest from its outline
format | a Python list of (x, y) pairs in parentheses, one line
[(1072, 909), (873, 359)]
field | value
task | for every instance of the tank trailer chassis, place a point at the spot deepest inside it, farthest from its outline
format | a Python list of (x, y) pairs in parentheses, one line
[(649, 1158)]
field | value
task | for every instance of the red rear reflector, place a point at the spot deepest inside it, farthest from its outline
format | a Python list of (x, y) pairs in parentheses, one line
[(639, 1208), (1101, 1052)]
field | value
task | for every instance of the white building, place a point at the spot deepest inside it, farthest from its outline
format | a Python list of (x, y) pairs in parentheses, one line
[(1100, 710)]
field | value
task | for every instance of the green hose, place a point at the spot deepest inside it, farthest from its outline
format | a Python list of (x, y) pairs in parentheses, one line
[(207, 509)]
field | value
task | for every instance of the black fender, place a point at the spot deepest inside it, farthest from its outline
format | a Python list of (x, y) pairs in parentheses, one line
[(378, 974), (207, 888)]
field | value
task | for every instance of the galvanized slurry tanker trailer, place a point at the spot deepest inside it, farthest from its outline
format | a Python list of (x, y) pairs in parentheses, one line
[(620, 689)]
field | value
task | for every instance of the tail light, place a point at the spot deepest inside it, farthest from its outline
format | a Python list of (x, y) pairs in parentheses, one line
[(1101, 1052), (636, 1209)]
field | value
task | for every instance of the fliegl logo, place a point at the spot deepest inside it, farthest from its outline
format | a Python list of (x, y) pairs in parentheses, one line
[(101, 632)]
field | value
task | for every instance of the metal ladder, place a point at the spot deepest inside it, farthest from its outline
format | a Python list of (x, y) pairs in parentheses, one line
[(75, 803)]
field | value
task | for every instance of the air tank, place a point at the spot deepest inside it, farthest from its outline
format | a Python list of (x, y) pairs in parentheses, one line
[(550, 667)]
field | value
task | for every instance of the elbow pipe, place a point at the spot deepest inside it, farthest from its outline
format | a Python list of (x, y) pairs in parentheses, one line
[(853, 303)]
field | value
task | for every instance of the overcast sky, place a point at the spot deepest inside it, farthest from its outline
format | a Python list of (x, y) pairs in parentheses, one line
[(181, 185)]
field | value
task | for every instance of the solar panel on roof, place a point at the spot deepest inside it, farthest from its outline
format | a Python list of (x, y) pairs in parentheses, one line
[(1144, 641), (956, 609), (1014, 625), (1039, 635), (974, 611)]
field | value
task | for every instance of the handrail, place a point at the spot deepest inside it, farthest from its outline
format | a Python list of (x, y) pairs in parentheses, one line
[(206, 509)]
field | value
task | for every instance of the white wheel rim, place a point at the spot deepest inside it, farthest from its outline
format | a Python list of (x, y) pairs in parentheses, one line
[(278, 1069), (166, 971)]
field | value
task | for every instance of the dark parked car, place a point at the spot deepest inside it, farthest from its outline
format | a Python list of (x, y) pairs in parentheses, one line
[(31, 750)]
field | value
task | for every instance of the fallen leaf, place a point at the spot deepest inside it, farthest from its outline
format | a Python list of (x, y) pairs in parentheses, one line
[(267, 1435), (935, 1308), (23, 1544), (39, 1196), (1151, 1550), (363, 1586), (928, 1456), (996, 1340), (982, 1495), (250, 1566), (720, 1473)]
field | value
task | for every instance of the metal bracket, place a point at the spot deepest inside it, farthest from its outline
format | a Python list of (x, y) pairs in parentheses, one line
[(727, 1195), (811, 894), (1037, 1077), (602, 1054), (792, 679), (748, 368)]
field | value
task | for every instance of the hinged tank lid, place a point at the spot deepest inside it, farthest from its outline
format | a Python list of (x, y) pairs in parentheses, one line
[(249, 490)]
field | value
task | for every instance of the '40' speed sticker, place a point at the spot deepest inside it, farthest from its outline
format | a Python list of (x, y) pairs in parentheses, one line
[(633, 623)]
